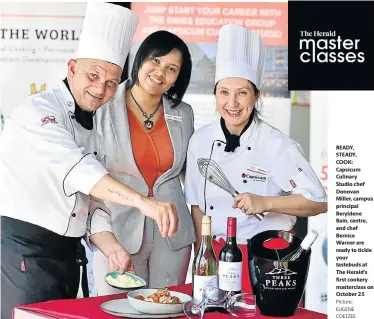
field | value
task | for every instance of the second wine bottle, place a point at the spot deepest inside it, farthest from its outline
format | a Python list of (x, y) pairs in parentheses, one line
[(230, 262)]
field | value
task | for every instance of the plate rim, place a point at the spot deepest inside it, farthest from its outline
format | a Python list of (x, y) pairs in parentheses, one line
[(140, 315)]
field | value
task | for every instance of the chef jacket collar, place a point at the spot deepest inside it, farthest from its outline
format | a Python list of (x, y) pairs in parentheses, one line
[(83, 118), (233, 140)]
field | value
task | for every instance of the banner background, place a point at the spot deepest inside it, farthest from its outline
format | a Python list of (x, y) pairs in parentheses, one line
[(37, 40), (182, 18), (30, 63), (316, 288), (201, 21)]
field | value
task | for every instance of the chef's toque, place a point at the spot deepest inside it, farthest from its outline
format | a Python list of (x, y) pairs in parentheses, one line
[(240, 54), (107, 33)]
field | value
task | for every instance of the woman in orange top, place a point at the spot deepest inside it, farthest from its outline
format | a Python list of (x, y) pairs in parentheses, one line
[(147, 128)]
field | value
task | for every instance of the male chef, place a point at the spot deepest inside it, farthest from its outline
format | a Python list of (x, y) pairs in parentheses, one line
[(52, 177)]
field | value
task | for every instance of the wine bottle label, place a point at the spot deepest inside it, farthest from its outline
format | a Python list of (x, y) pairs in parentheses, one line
[(207, 283), (230, 276)]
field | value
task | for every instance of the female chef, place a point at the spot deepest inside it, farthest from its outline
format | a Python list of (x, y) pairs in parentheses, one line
[(261, 162), (148, 128), (50, 165)]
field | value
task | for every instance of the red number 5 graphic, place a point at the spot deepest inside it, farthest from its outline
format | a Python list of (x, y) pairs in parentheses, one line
[(324, 175)]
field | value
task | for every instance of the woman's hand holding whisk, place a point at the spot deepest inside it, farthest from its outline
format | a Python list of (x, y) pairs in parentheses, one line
[(250, 203)]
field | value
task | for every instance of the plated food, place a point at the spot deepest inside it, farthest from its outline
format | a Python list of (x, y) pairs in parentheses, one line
[(157, 301), (162, 295), (126, 281)]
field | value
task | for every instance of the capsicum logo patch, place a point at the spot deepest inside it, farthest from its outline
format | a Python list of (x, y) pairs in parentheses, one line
[(254, 177)]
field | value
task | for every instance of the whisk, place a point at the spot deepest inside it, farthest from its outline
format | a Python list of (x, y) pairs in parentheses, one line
[(214, 174)]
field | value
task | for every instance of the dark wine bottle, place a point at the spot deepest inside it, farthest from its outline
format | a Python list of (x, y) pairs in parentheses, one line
[(230, 262)]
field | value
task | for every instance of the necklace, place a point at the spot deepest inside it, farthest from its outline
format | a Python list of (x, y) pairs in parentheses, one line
[(148, 123)]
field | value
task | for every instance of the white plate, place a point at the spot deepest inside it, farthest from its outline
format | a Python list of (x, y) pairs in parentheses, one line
[(156, 308), (122, 308)]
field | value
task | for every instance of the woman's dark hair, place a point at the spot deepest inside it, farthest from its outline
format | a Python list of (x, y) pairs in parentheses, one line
[(258, 105), (158, 44)]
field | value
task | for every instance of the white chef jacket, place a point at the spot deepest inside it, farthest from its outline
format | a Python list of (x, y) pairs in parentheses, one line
[(48, 166), (267, 163)]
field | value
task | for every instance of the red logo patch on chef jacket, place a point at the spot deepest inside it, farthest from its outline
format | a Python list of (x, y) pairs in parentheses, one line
[(23, 267), (292, 182), (49, 119)]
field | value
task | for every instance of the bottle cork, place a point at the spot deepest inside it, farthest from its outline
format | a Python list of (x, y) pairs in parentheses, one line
[(309, 239), (206, 226)]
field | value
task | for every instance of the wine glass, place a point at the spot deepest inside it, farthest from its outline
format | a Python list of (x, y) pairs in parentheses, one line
[(195, 309), (241, 305)]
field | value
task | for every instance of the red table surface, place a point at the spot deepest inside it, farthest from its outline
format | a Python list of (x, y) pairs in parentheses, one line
[(89, 308)]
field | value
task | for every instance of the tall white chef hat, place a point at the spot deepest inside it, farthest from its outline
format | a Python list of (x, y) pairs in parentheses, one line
[(240, 54), (107, 33)]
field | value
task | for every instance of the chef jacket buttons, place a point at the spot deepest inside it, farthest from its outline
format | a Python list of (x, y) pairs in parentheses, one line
[(73, 117), (214, 236), (95, 153), (244, 181), (211, 207), (73, 215), (219, 144), (249, 148), (70, 103)]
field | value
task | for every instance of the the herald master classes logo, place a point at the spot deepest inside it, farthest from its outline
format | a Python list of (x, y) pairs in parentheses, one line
[(328, 47), (330, 52)]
